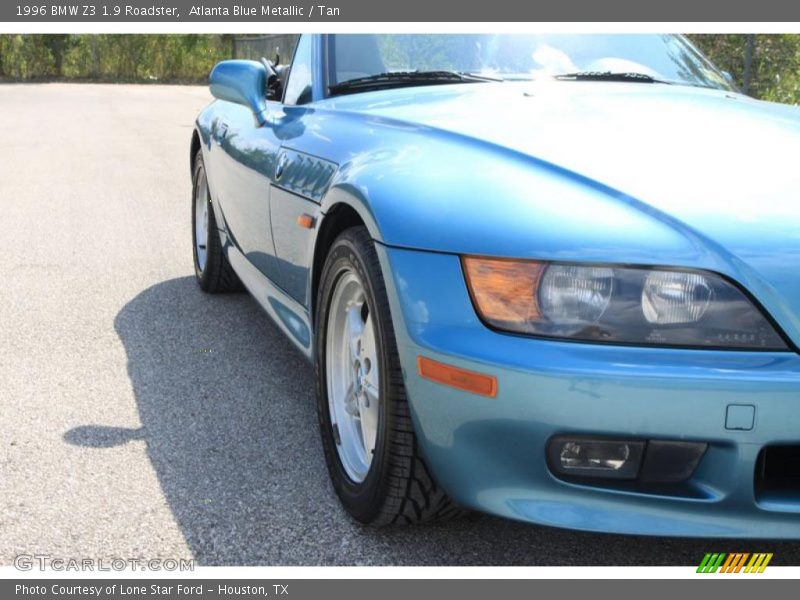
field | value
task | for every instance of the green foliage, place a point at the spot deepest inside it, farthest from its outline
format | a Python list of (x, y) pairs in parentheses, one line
[(425, 51), (112, 57), (775, 68), (25, 56)]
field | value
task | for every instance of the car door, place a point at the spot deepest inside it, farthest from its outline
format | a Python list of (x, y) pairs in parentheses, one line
[(300, 179), (245, 169)]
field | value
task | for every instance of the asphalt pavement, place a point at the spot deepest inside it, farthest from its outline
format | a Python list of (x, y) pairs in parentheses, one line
[(140, 417)]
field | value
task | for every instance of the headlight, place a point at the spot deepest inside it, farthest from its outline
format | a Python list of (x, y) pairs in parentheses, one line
[(665, 307)]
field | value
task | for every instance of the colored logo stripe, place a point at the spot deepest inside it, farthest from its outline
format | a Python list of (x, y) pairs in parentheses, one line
[(734, 562), (710, 563), (758, 563)]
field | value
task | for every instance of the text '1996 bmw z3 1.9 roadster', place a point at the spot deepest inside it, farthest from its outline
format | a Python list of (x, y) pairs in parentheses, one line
[(554, 278)]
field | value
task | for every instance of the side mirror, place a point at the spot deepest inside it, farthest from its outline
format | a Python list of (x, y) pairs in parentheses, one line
[(243, 82)]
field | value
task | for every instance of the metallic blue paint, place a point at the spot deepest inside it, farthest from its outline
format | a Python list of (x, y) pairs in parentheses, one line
[(489, 454), (241, 82), (618, 173)]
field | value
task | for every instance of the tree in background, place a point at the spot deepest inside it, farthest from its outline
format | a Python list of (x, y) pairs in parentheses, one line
[(111, 57), (58, 45), (765, 66), (25, 57)]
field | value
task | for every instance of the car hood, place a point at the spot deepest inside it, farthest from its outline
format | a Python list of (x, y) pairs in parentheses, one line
[(717, 164)]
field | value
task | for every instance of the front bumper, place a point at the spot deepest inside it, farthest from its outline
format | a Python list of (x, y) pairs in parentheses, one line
[(489, 453)]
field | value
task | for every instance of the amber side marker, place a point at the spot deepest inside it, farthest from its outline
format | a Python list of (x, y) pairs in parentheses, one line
[(469, 381), (305, 221)]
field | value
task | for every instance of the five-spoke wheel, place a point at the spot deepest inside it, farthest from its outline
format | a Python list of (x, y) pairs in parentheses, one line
[(375, 464), (353, 375)]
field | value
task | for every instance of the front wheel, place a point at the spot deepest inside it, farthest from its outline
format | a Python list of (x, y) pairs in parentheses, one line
[(367, 434)]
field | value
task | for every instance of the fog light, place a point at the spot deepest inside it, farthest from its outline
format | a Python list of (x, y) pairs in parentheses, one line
[(595, 457)]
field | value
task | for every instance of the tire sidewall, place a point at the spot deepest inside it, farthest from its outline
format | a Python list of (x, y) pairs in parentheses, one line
[(199, 171), (363, 500)]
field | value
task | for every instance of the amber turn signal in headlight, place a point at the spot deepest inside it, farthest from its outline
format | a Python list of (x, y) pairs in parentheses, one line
[(504, 291)]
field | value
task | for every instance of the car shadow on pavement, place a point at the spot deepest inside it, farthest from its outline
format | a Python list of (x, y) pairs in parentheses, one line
[(227, 412)]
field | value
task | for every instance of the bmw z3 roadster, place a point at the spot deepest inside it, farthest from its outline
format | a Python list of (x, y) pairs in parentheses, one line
[(553, 278)]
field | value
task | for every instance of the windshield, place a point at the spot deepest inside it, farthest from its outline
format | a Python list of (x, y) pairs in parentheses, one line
[(664, 58)]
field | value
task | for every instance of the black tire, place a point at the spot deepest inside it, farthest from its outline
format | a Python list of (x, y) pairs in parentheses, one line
[(398, 488), (216, 276)]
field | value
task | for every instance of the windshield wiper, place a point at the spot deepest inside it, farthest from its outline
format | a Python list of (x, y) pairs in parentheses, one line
[(608, 76), (406, 79)]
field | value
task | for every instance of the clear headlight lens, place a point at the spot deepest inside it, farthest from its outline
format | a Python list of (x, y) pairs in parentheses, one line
[(623, 305), (579, 294), (670, 297)]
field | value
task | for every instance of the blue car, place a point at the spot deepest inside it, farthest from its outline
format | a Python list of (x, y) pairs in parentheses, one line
[(554, 278)]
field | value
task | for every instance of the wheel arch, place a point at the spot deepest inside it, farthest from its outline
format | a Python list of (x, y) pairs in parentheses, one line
[(337, 218)]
